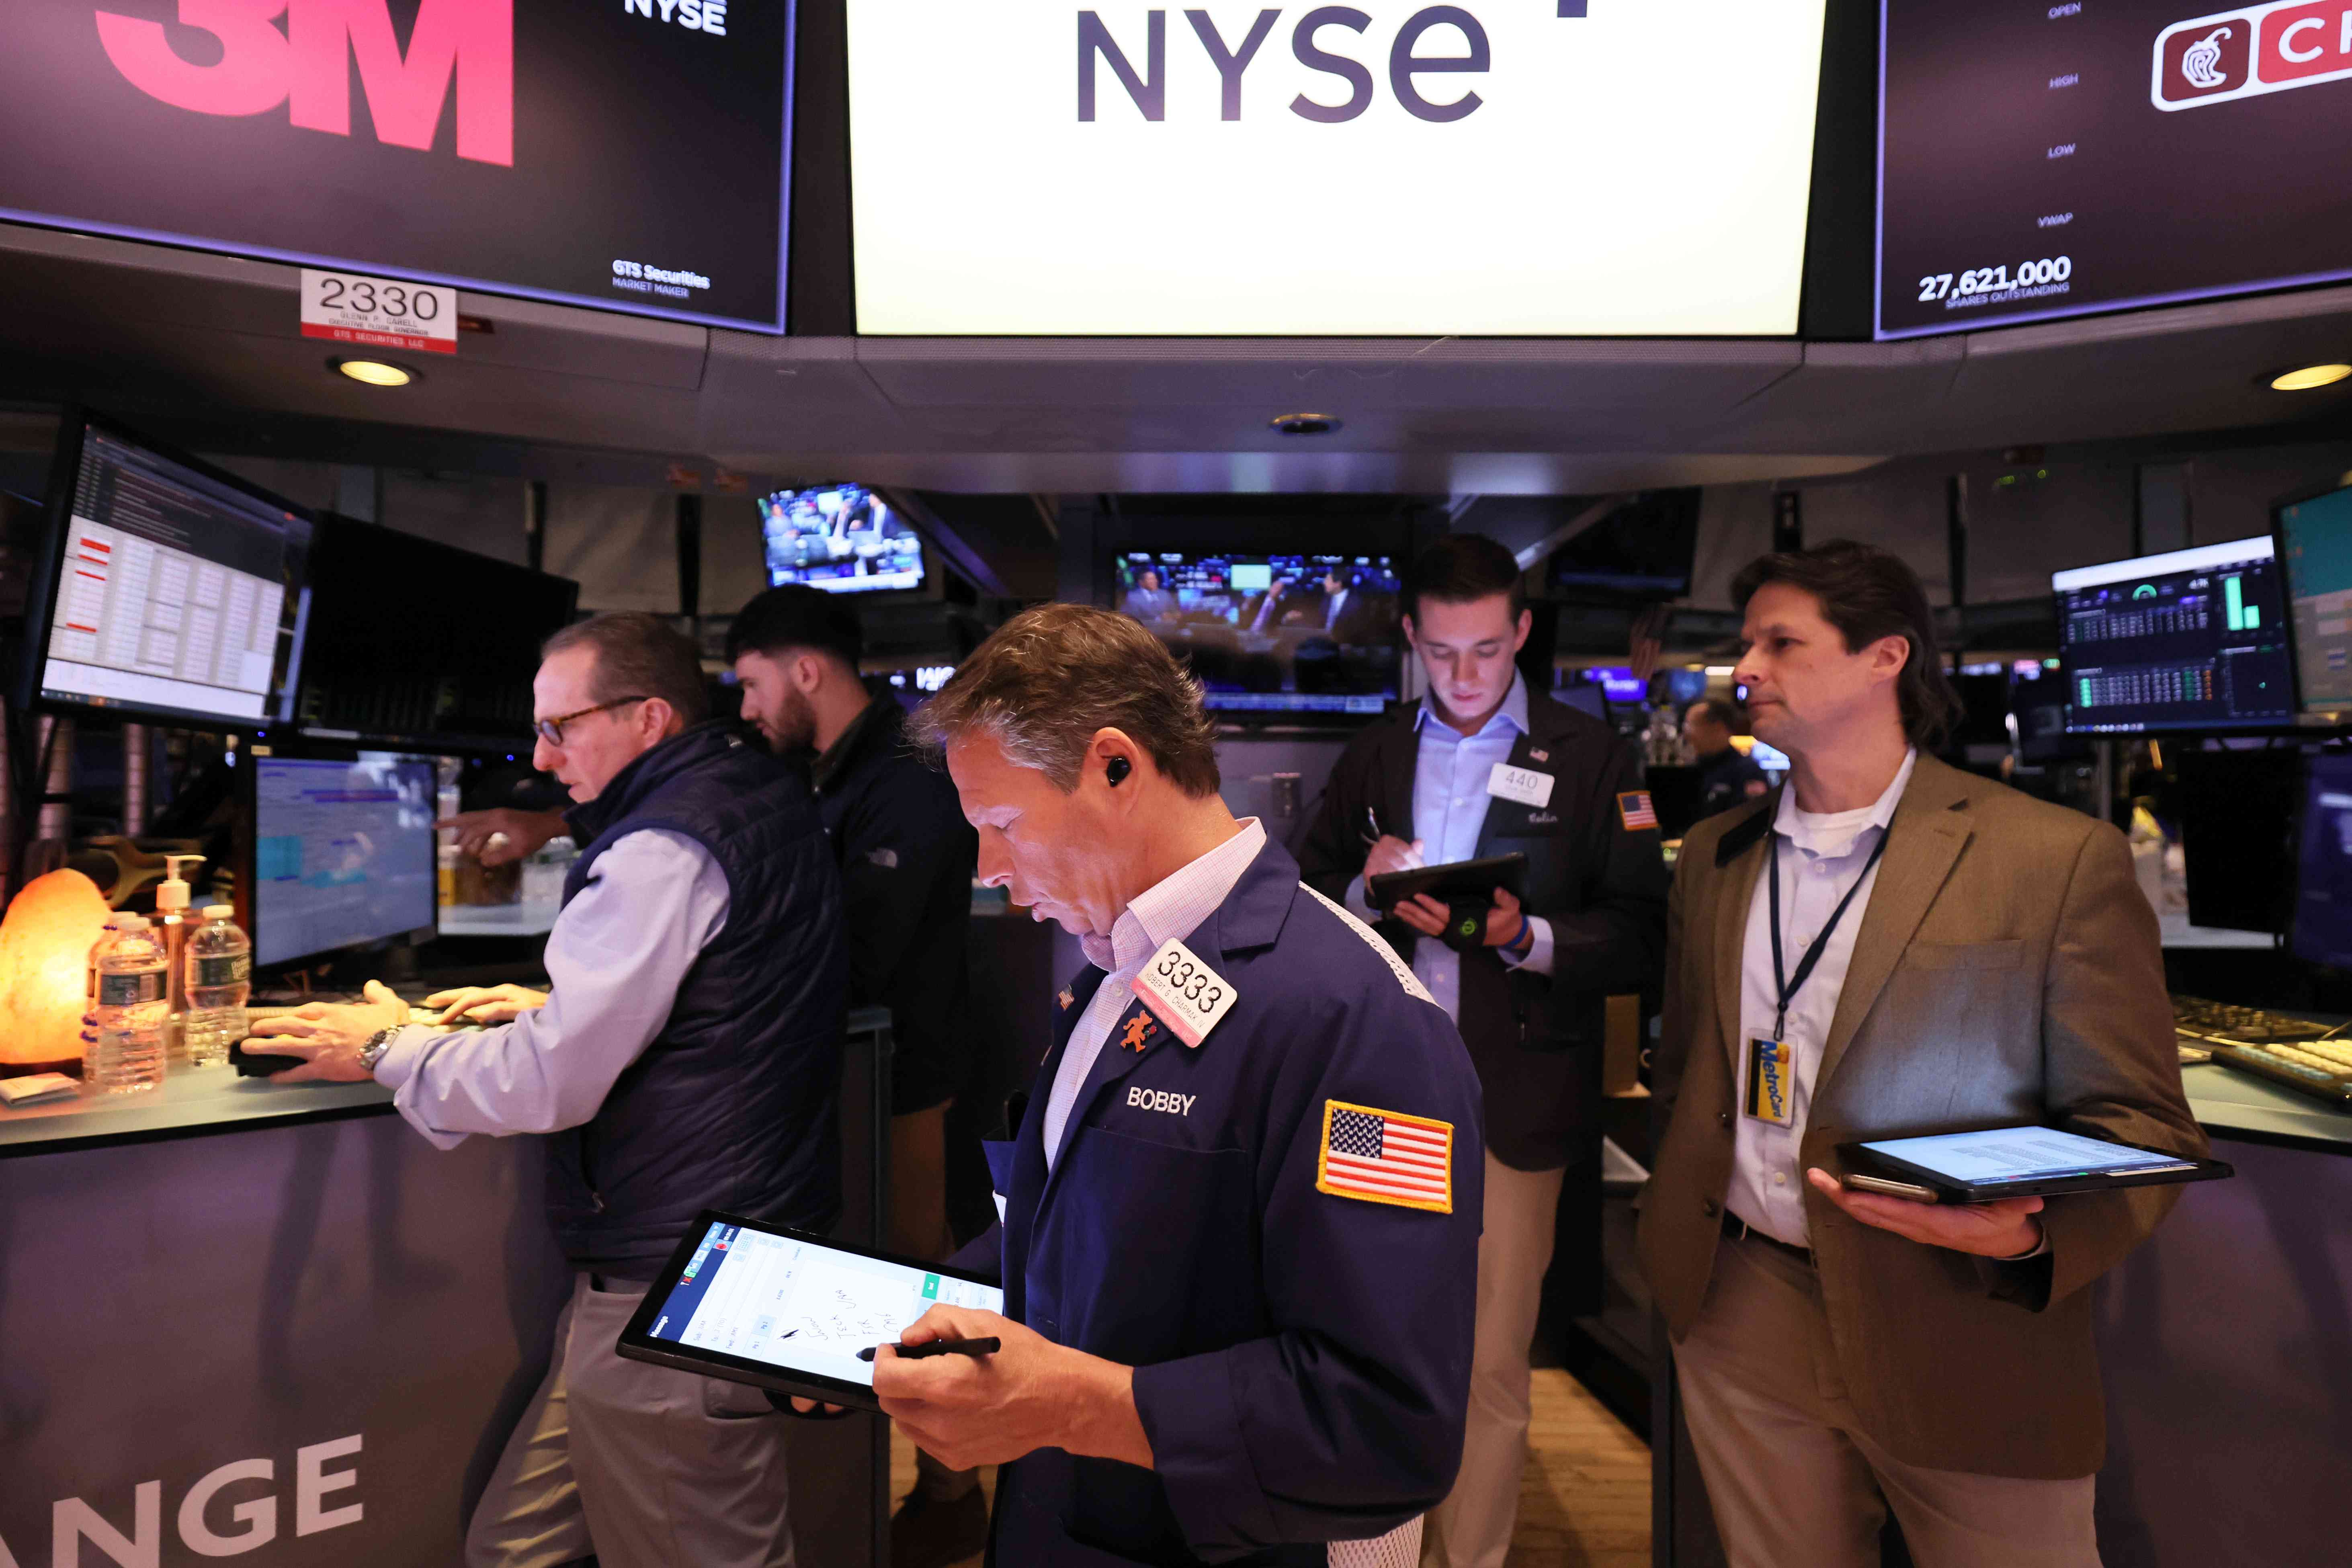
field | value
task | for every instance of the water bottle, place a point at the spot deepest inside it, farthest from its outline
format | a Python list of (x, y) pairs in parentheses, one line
[(126, 1054), (218, 978)]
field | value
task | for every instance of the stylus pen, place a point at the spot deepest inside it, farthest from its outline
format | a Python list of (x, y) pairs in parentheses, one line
[(988, 1346)]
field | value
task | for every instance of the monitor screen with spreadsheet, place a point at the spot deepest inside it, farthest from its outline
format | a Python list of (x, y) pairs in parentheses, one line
[(2315, 546), (2195, 640), (342, 852), (172, 589)]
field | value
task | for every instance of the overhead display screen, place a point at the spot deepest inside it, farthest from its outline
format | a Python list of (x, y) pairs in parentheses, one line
[(2075, 156), (629, 154), (2195, 640), (1523, 167)]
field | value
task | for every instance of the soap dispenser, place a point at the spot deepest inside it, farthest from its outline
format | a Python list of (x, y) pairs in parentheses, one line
[(172, 900)]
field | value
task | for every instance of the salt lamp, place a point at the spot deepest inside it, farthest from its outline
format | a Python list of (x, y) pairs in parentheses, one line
[(45, 943)]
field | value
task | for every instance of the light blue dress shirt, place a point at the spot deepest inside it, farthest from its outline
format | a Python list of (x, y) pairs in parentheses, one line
[(1449, 811)]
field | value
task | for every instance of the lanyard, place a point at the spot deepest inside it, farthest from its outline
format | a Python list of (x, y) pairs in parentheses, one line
[(1790, 987)]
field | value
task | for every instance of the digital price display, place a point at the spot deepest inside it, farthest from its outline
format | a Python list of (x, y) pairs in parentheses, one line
[(2059, 158), (628, 154)]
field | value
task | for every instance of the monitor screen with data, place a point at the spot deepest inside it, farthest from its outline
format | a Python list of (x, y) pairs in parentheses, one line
[(2195, 640), (2315, 545), (173, 590), (342, 852)]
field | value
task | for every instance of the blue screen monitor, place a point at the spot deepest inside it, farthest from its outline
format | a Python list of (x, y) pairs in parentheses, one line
[(844, 538), (1618, 683), (343, 854), (2323, 900), (2315, 546), (2193, 639)]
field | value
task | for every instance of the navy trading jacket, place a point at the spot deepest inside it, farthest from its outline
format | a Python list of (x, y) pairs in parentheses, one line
[(1278, 1230)]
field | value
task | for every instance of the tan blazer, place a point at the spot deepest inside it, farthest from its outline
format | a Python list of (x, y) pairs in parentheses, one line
[(2008, 970)]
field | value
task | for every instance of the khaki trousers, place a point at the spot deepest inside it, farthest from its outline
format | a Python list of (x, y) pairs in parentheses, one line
[(1472, 1528), (643, 1466), (1795, 1480)]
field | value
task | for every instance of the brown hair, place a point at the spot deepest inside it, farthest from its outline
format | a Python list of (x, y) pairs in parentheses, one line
[(1052, 676), (1867, 594), (1462, 567), (1723, 710), (638, 654)]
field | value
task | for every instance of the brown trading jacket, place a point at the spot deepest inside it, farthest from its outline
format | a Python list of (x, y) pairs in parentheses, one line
[(2007, 971)]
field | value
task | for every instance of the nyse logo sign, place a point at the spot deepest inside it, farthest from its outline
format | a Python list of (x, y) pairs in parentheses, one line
[(306, 66), (2245, 54), (1230, 58)]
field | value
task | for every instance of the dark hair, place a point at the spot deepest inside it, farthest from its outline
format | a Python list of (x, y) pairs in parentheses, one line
[(1867, 594), (1723, 710), (1052, 676), (1461, 567), (638, 654), (796, 616)]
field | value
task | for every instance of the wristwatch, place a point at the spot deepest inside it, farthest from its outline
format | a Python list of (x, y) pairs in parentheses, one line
[(377, 1044)]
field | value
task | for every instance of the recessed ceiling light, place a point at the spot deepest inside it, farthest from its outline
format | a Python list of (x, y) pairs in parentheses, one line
[(375, 372), (1305, 424), (2309, 376)]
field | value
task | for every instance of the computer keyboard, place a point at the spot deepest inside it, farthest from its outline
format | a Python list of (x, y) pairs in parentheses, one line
[(2292, 1052)]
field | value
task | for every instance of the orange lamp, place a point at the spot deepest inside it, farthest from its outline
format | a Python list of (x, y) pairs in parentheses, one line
[(45, 943)]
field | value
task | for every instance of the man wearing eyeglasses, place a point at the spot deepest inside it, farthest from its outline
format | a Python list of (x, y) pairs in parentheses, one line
[(686, 1056)]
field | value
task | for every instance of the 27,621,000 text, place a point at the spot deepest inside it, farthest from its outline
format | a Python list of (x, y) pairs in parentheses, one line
[(1952, 287)]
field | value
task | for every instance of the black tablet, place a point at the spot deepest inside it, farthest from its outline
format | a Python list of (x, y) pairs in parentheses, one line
[(780, 1308), (1999, 1162), (1454, 879)]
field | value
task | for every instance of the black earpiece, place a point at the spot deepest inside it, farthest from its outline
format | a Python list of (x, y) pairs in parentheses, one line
[(1118, 768)]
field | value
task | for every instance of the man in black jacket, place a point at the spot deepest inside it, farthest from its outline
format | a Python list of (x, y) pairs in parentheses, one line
[(1483, 767)]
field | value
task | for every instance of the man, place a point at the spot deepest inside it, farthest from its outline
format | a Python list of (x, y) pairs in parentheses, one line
[(1481, 767), (1241, 1206), (1902, 948), (1147, 601), (1725, 777), (906, 857), (688, 1057)]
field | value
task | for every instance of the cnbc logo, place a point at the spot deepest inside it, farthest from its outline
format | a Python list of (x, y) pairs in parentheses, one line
[(2244, 54)]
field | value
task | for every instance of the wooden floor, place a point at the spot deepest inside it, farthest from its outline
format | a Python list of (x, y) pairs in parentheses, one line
[(1583, 1503)]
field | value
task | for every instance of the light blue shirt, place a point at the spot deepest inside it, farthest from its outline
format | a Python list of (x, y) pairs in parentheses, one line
[(1449, 811)]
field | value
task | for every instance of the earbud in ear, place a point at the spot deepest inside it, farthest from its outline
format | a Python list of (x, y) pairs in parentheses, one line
[(1118, 768)]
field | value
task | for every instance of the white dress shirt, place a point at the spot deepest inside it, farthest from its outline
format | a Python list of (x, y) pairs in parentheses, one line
[(1449, 811), (1168, 910), (1822, 858), (615, 958)]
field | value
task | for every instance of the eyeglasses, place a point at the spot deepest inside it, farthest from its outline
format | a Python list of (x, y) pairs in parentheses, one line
[(552, 730)]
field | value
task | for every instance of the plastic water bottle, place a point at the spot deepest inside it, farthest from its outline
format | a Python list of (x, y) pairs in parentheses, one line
[(218, 977), (127, 1052)]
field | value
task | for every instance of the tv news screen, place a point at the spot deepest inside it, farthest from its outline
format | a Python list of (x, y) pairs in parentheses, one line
[(844, 538), (1272, 634)]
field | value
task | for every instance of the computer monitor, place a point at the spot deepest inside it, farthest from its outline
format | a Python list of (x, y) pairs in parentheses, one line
[(1640, 552), (1617, 682), (342, 852), (844, 538), (2315, 547), (1272, 634), (2195, 640), (167, 588), (2322, 902), (2237, 828)]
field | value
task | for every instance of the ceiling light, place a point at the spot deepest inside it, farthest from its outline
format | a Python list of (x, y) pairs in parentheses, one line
[(375, 372), (1305, 424), (2309, 376)]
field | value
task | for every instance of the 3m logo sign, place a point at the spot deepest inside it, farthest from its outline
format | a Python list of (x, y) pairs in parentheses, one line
[(2244, 54), (306, 64)]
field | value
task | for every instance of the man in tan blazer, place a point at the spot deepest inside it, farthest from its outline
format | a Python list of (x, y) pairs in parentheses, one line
[(1994, 965)]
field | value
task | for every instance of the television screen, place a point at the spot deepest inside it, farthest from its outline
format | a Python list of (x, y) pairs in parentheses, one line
[(2323, 900), (342, 852), (169, 588), (2195, 640), (1272, 634), (1639, 551), (2039, 161), (1528, 168), (1618, 683), (628, 154), (2315, 545), (844, 538)]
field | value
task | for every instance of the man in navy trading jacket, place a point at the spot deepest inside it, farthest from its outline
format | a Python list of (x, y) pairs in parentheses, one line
[(1241, 1205)]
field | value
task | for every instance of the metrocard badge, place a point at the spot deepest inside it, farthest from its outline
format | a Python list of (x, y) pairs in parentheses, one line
[(1185, 993), (1772, 1082)]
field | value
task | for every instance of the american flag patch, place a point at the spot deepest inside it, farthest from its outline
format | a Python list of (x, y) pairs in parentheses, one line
[(1382, 1157), (1634, 811)]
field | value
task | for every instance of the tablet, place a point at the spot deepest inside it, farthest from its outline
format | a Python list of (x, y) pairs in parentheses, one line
[(1454, 879), (2020, 1162), (780, 1308)]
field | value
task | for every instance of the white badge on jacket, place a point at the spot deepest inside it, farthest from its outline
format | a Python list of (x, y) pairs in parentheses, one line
[(1525, 785), (1185, 993)]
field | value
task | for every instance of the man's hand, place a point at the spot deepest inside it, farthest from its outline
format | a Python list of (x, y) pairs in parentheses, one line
[(1428, 917), (1390, 854), (328, 1036), (992, 1410), (486, 1004), (1999, 1231), (525, 832)]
